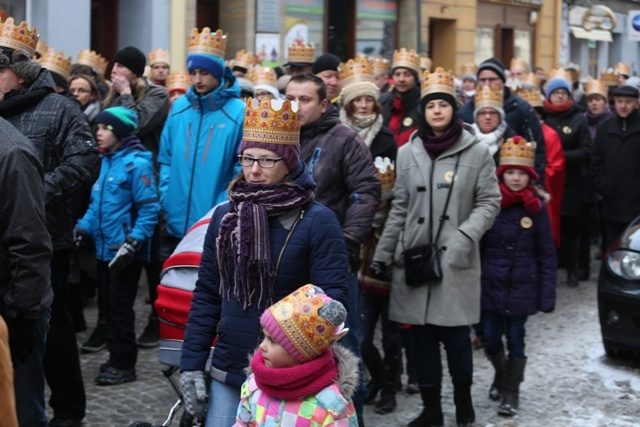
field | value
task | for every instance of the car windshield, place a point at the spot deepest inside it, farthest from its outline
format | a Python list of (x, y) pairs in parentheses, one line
[(631, 236)]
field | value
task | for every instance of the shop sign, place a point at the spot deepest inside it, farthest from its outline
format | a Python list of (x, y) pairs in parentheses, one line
[(599, 17), (305, 7), (377, 10), (634, 25)]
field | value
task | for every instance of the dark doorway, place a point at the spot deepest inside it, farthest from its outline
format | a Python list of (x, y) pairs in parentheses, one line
[(104, 27), (208, 14), (341, 37), (504, 46)]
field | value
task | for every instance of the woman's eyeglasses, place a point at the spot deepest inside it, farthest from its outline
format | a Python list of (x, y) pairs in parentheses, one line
[(79, 90), (263, 162)]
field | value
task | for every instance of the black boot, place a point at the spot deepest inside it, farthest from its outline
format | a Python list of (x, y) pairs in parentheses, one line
[(387, 401), (570, 250), (431, 415), (465, 415), (375, 366), (499, 363), (515, 375)]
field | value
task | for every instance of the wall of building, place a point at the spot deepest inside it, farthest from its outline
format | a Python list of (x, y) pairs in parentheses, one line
[(144, 24), (547, 36), (238, 20), (52, 17)]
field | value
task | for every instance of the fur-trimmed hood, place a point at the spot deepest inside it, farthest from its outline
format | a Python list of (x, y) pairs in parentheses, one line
[(347, 369)]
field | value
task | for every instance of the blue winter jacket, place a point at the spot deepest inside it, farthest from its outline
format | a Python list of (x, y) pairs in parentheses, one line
[(315, 253), (124, 200), (199, 153), (518, 263)]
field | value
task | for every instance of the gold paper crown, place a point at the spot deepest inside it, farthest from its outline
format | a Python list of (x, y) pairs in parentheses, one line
[(298, 316), (488, 98), (532, 96), (93, 60), (380, 65), (57, 63), (596, 87), (469, 68), (532, 79), (560, 73), (301, 52), (521, 153), (425, 63), (178, 80), (385, 169), (609, 77), (438, 81), (263, 76), (245, 59), (358, 69), (519, 62), (19, 37), (41, 47), (208, 43), (623, 69), (158, 56), (273, 121), (406, 59)]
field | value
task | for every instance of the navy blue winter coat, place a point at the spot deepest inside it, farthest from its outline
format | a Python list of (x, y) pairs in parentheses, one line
[(518, 263), (315, 253)]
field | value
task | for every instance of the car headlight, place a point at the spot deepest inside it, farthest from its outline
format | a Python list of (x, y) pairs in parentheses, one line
[(625, 264)]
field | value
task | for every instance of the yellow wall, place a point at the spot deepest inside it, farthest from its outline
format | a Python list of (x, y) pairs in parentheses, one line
[(547, 41), (182, 21)]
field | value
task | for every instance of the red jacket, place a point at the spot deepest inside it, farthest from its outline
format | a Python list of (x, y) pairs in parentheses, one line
[(554, 178)]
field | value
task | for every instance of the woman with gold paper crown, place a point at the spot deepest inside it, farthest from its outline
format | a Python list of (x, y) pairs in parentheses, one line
[(362, 112), (443, 152), (269, 239)]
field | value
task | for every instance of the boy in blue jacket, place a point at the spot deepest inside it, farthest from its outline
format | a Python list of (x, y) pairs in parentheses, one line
[(121, 218), (519, 270)]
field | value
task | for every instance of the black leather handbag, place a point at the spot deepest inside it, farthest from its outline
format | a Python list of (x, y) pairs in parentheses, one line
[(422, 263)]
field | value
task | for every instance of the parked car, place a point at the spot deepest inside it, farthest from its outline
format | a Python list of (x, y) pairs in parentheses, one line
[(619, 294)]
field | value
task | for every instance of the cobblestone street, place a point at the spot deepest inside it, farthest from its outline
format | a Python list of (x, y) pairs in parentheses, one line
[(569, 381)]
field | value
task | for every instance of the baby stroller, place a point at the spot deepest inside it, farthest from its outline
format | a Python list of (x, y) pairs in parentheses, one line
[(175, 291)]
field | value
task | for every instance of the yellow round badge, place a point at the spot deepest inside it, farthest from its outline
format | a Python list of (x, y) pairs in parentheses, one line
[(408, 121), (566, 130), (448, 176), (526, 222)]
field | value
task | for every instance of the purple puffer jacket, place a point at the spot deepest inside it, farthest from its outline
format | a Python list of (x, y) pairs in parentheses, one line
[(518, 263)]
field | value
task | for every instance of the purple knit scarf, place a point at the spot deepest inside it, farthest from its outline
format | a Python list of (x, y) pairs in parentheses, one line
[(243, 243), (436, 145)]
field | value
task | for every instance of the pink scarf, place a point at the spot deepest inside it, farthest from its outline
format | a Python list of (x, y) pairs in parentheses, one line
[(296, 382)]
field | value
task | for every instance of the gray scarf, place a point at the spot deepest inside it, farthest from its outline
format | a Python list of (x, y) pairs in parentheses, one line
[(366, 126), (491, 139)]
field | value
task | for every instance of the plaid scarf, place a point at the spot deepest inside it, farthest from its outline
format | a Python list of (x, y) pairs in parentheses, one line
[(243, 243)]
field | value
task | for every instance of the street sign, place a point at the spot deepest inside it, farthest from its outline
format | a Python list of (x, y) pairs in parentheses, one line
[(634, 25)]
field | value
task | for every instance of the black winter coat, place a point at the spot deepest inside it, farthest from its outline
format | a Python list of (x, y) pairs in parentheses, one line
[(573, 129), (410, 113), (616, 171), (384, 145), (520, 117), (25, 245), (60, 133)]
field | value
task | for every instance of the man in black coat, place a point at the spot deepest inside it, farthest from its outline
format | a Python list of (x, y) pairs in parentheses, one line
[(519, 115), (614, 162), (63, 141)]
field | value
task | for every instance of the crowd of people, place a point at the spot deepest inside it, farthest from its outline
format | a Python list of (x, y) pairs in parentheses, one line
[(345, 195)]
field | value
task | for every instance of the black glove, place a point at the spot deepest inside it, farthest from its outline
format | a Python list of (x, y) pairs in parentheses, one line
[(353, 253), (22, 339), (379, 269), (79, 237), (125, 254)]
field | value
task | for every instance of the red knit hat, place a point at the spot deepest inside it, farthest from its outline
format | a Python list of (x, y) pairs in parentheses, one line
[(305, 323), (517, 153)]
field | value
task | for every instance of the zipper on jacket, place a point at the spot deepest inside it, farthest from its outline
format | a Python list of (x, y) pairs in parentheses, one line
[(100, 222), (186, 154), (314, 160), (206, 148), (193, 174)]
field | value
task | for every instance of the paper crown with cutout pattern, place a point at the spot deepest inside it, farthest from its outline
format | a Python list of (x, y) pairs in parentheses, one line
[(404, 58), (207, 43), (19, 37), (178, 80), (271, 121), (57, 63), (245, 60), (596, 87), (488, 98), (94, 60), (438, 81), (302, 53), (532, 96), (158, 56)]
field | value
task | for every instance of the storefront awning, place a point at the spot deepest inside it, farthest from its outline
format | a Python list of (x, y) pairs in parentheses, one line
[(598, 35)]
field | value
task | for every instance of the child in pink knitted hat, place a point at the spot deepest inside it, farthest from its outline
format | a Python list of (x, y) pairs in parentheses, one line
[(299, 375)]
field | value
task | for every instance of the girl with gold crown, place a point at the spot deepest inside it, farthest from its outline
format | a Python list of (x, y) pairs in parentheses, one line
[(446, 196), (518, 270), (270, 238)]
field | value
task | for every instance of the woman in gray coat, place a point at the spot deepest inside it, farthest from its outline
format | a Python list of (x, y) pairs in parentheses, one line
[(442, 310)]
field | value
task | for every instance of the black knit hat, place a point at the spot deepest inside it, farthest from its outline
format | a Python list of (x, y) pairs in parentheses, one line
[(132, 58), (328, 61), (495, 65)]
